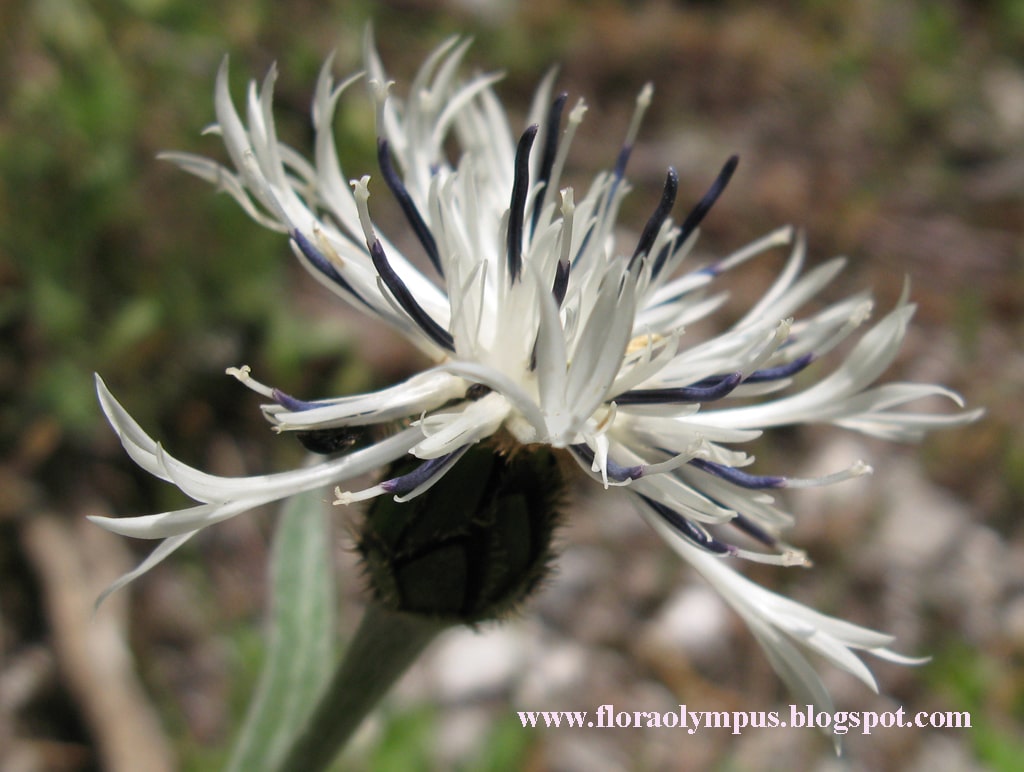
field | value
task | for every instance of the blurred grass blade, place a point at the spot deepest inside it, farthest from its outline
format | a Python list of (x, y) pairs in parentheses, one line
[(300, 656)]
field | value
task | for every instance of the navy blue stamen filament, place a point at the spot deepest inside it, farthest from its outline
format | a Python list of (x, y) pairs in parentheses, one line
[(615, 471), (412, 214), (547, 161), (688, 530), (699, 212), (292, 403), (517, 207), (561, 283), (681, 394), (660, 214), (744, 524), (776, 373), (780, 371), (738, 477), (621, 161), (323, 265), (433, 467), (405, 299)]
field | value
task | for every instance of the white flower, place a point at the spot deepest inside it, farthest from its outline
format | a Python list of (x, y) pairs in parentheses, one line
[(543, 329)]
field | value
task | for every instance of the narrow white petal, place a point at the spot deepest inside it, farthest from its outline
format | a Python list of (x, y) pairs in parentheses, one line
[(446, 432), (171, 524), (550, 352), (139, 445), (162, 551), (425, 391), (767, 613), (519, 398), (262, 488)]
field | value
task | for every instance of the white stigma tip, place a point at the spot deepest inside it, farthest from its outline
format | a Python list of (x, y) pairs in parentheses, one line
[(344, 498), (643, 99), (795, 558), (857, 469), (381, 90), (361, 191), (787, 558), (577, 112), (242, 374), (568, 202)]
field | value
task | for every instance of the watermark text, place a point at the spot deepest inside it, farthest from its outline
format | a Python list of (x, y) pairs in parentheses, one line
[(737, 721)]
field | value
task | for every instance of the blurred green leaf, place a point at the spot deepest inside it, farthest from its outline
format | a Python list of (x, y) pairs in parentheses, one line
[(136, 320), (300, 655), (406, 742), (506, 747), (973, 683)]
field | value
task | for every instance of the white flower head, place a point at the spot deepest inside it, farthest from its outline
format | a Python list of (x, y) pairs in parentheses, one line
[(544, 329)]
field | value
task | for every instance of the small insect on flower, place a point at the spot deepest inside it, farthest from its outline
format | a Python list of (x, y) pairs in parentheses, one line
[(546, 333)]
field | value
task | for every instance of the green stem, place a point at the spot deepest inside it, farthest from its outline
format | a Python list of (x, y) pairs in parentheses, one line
[(385, 645)]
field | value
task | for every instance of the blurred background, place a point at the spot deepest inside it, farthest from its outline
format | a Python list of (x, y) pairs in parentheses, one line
[(891, 131)]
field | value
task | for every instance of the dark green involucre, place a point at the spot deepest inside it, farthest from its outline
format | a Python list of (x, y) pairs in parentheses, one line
[(473, 546)]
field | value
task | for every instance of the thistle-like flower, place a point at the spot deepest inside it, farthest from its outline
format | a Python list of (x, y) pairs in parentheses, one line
[(545, 330)]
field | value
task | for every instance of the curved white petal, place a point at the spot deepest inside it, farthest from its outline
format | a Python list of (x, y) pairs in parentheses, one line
[(779, 623), (161, 553)]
